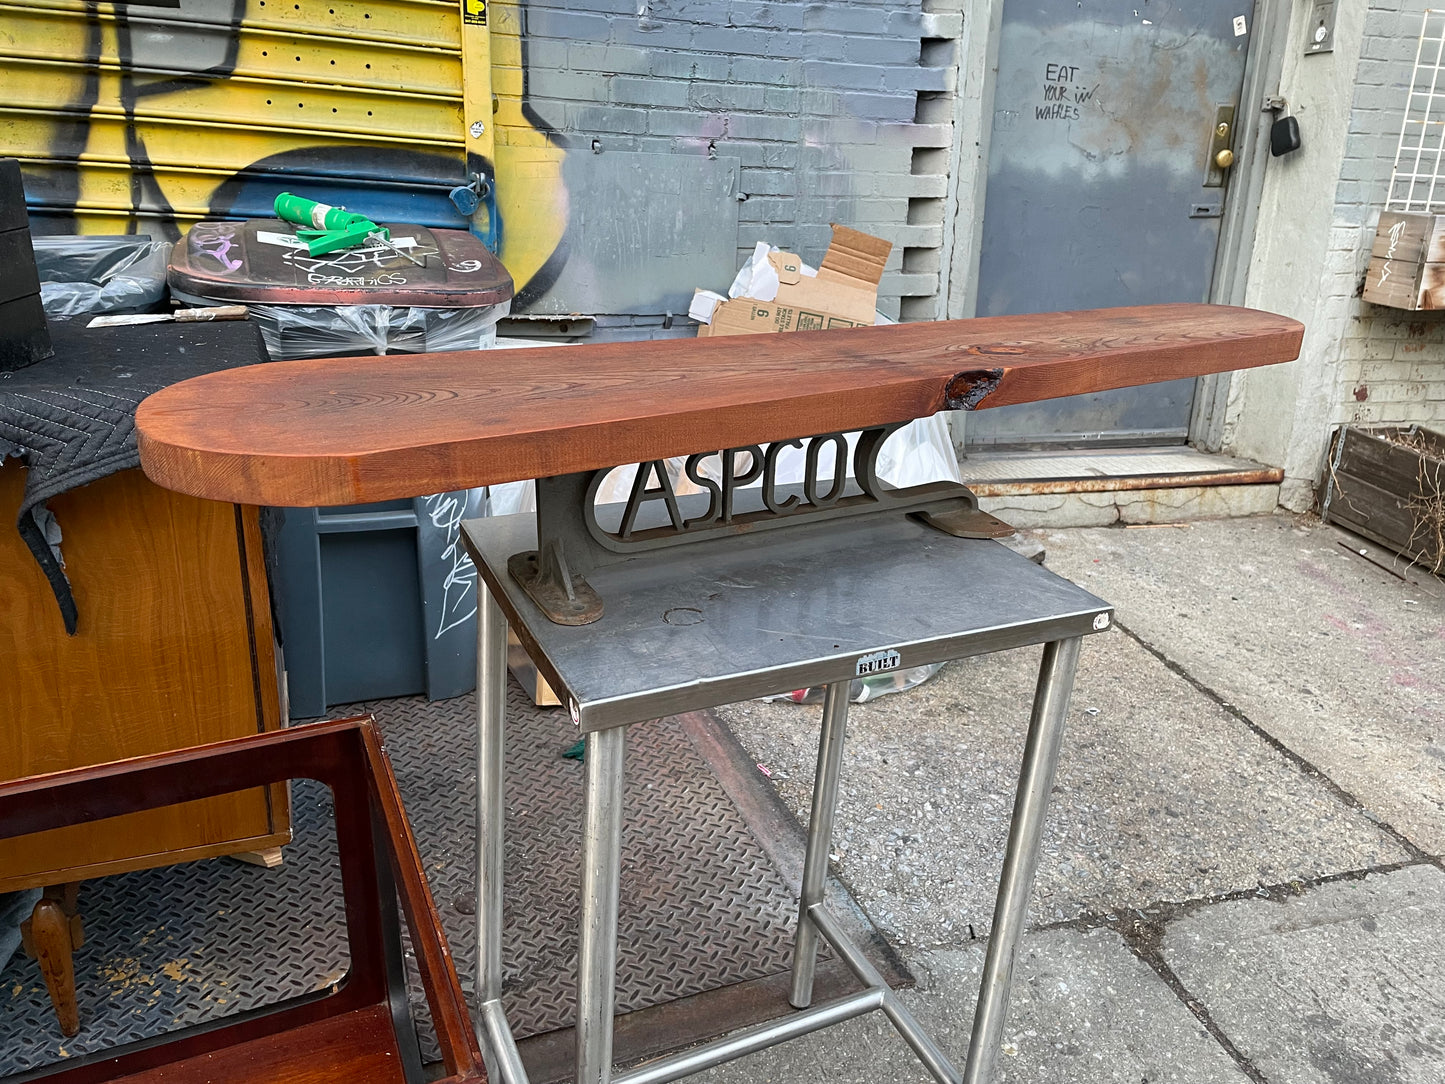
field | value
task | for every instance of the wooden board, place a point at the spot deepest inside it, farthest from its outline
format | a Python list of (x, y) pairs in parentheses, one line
[(344, 431), (1407, 261), (359, 1046), (169, 590)]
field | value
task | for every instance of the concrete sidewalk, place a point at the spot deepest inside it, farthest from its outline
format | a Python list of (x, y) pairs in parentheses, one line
[(1242, 877)]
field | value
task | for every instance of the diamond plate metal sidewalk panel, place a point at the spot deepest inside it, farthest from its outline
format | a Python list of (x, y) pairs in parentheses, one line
[(702, 907), (185, 944)]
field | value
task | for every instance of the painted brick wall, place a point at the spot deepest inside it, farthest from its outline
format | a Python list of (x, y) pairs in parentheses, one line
[(839, 111), (1391, 366)]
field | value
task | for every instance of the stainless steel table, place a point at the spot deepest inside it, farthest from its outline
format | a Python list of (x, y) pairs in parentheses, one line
[(714, 623)]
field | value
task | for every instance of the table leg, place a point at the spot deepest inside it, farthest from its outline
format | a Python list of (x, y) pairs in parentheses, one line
[(601, 876), (51, 935), (820, 838), (498, 1049), (1021, 860)]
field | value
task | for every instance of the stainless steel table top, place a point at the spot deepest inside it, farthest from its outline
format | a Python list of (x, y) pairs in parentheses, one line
[(713, 623)]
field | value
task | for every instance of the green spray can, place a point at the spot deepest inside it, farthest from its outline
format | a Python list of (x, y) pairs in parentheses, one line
[(318, 216)]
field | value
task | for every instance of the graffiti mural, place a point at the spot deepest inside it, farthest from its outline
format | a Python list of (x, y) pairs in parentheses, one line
[(132, 119)]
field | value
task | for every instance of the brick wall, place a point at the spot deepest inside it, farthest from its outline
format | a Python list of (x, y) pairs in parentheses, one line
[(1392, 364), (1359, 363), (839, 111)]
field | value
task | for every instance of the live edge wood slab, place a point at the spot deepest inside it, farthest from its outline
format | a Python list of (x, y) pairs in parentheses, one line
[(351, 430)]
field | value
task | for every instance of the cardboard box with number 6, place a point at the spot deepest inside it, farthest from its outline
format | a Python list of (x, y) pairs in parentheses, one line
[(843, 292)]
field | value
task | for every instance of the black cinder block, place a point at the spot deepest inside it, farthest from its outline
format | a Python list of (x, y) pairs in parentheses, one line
[(24, 336), (18, 276), (12, 197)]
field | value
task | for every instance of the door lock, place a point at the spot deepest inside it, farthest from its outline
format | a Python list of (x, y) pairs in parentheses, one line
[(1221, 154)]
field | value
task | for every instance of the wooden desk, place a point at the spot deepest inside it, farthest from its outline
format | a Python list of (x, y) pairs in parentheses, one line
[(173, 649)]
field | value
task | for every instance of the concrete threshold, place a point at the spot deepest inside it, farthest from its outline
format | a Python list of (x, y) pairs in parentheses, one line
[(1133, 486)]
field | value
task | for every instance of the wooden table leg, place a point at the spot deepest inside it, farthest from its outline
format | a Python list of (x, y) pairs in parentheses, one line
[(52, 933)]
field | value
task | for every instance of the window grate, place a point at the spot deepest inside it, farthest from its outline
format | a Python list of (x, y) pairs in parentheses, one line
[(1418, 180)]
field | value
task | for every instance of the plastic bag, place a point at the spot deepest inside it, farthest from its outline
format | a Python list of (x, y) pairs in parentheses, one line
[(758, 279), (920, 452), (88, 275), (861, 690), (304, 331)]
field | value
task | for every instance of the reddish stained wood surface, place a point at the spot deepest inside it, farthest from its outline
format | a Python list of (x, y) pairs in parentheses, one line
[(461, 1053), (341, 431), (347, 1035), (358, 1047)]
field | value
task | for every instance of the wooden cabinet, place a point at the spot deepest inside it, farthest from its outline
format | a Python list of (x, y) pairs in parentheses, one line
[(173, 649)]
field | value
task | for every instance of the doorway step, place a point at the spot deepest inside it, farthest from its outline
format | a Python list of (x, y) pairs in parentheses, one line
[(1101, 486)]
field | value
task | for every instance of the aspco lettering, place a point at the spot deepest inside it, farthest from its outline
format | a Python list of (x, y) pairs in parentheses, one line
[(826, 491), (759, 464)]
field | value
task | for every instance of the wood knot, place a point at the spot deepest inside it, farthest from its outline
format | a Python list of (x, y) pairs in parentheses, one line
[(969, 389), (992, 349)]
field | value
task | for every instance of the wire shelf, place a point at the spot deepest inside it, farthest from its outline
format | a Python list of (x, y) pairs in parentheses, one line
[(1417, 182)]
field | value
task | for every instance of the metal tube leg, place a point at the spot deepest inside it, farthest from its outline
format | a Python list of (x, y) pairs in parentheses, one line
[(491, 707), (1021, 860), (601, 876), (820, 837)]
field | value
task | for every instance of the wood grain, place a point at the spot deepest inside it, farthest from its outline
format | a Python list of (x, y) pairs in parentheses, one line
[(342, 431), (50, 936), (358, 1047), (163, 657), (345, 1034), (461, 1053)]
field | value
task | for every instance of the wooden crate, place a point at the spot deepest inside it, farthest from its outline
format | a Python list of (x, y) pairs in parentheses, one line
[(1388, 485), (1407, 261)]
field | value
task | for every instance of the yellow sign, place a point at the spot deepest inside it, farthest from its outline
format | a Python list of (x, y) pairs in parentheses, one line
[(474, 12)]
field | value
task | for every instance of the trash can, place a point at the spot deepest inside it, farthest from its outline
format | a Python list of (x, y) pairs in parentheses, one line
[(369, 299), (374, 600)]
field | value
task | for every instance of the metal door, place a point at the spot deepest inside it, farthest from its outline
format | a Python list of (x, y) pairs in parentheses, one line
[(1105, 131)]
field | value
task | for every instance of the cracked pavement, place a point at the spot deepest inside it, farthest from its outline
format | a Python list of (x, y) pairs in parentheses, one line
[(1242, 875)]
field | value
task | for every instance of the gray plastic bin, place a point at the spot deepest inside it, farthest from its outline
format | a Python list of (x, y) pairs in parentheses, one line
[(376, 600)]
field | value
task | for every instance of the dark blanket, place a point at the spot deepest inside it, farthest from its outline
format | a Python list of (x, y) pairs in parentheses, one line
[(71, 418)]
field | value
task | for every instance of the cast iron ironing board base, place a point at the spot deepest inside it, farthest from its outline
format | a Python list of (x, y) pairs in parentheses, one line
[(713, 624)]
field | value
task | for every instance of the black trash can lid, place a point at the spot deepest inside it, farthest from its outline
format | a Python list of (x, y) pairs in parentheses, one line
[(262, 261)]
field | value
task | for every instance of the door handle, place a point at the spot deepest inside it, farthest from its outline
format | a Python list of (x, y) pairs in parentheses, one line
[(1221, 155)]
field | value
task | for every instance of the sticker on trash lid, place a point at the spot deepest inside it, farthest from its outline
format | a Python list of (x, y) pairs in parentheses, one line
[(1241, 27), (878, 662), (574, 711), (1101, 622)]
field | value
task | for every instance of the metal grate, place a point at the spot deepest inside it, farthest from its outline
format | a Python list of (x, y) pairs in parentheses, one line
[(1418, 180)]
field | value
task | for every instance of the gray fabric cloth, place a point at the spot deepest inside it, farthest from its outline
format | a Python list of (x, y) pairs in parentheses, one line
[(71, 418), (15, 908)]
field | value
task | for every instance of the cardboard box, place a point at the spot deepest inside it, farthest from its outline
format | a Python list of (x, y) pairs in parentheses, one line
[(843, 292)]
